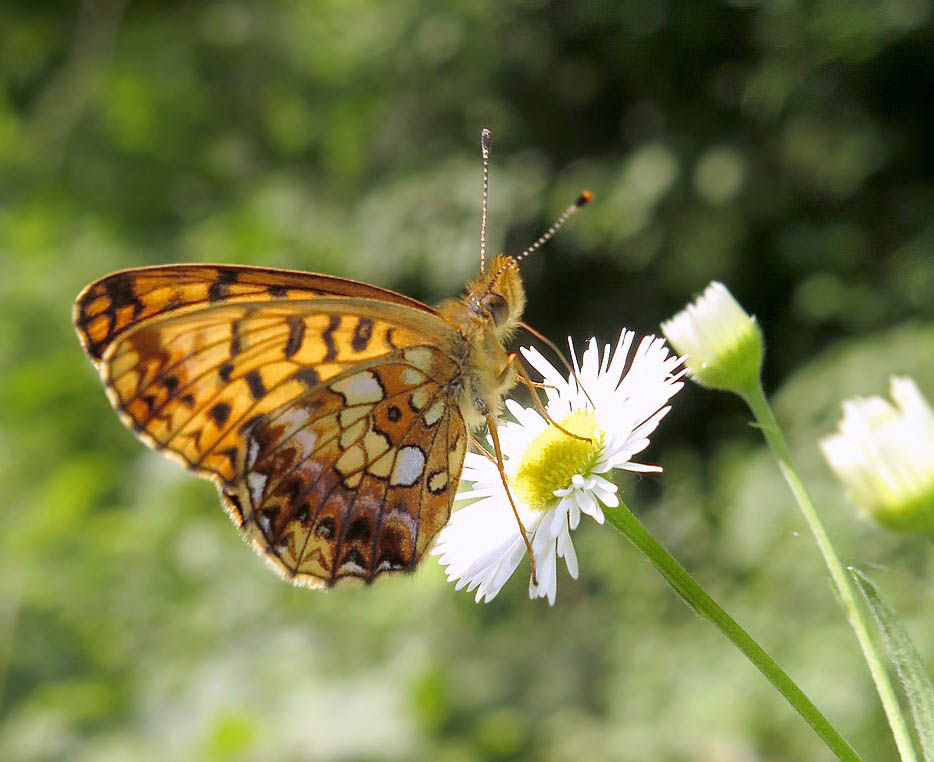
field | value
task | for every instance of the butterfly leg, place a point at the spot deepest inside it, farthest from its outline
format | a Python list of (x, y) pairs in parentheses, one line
[(482, 450), (494, 435), (554, 348), (524, 379), (538, 385)]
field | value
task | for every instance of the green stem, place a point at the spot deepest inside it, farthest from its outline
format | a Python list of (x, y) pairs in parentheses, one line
[(685, 585), (855, 613)]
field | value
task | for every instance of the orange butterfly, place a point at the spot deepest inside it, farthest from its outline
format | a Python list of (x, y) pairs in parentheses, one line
[(332, 415)]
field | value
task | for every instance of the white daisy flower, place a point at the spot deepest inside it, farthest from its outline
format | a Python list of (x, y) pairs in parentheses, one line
[(883, 455), (554, 478)]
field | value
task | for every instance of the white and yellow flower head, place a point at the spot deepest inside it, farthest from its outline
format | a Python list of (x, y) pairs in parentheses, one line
[(883, 454), (554, 478), (722, 343)]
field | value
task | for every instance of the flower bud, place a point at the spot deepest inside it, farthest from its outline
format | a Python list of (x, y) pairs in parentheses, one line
[(722, 343), (883, 455)]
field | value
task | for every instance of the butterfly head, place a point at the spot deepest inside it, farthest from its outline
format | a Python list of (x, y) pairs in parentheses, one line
[(498, 296)]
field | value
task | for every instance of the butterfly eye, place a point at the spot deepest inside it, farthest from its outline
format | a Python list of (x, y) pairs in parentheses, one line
[(497, 307)]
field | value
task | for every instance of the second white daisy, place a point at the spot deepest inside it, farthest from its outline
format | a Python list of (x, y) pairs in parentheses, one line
[(554, 478)]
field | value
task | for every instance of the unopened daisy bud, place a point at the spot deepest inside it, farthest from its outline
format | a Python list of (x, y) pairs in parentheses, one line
[(722, 342), (883, 454)]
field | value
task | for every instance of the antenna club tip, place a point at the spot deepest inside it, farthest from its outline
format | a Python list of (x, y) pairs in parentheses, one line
[(584, 198), (486, 138)]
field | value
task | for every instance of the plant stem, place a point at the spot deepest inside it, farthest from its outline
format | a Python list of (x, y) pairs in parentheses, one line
[(855, 613), (686, 586)]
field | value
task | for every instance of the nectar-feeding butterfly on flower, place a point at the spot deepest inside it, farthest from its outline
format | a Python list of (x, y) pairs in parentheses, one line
[(333, 416)]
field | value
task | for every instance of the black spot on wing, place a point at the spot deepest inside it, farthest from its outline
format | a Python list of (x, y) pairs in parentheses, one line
[(308, 376), (390, 561), (219, 289), (303, 512), (359, 530), (231, 454), (255, 381), (353, 557), (362, 333), (327, 336), (235, 345), (121, 293), (393, 546), (224, 371), (325, 528), (296, 325), (220, 413)]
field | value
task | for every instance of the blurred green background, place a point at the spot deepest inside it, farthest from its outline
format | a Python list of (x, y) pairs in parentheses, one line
[(783, 147)]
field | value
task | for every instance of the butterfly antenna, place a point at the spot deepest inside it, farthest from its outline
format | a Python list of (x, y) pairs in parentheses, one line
[(485, 140), (582, 200)]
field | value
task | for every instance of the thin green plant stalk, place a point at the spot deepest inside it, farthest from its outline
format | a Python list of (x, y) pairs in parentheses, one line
[(687, 587), (855, 613)]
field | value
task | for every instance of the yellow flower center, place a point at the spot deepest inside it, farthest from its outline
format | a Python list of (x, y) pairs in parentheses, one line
[(553, 458)]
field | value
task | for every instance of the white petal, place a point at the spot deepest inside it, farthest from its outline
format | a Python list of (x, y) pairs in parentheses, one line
[(566, 551), (574, 514), (610, 501), (546, 571), (603, 486), (549, 373), (642, 468), (587, 503), (560, 519), (502, 572), (590, 366)]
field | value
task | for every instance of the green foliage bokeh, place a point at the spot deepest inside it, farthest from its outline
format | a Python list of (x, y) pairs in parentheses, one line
[(782, 147)]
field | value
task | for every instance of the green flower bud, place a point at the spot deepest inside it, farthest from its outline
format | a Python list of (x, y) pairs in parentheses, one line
[(723, 344)]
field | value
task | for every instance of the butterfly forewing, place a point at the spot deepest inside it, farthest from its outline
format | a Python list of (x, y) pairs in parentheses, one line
[(116, 303), (192, 382), (323, 408)]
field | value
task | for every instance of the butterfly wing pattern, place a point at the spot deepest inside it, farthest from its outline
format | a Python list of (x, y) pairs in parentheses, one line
[(324, 409)]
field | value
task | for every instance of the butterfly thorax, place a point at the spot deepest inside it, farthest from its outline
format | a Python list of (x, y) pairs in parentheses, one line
[(485, 319)]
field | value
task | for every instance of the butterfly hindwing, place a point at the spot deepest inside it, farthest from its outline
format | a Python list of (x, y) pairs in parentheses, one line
[(353, 480)]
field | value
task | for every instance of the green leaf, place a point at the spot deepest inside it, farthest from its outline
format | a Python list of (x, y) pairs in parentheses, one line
[(911, 671)]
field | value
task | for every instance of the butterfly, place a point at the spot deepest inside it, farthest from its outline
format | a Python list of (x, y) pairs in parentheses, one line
[(332, 415)]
